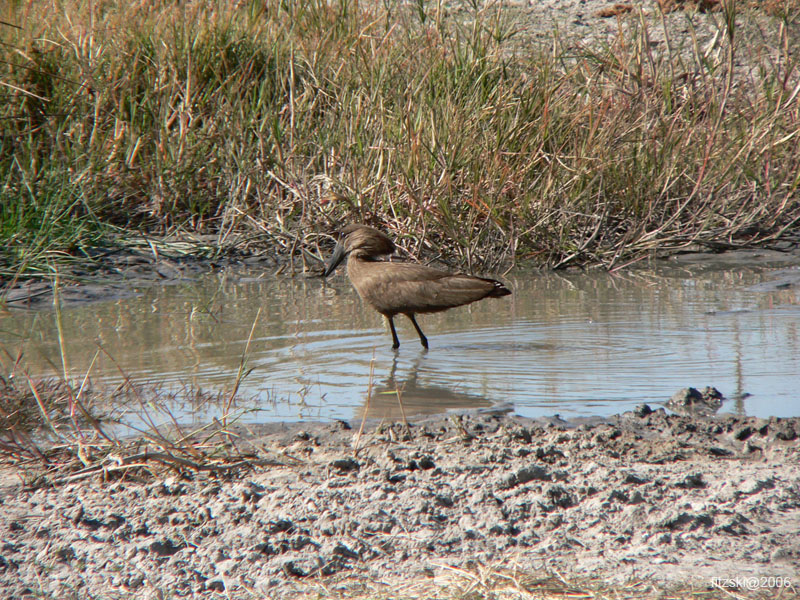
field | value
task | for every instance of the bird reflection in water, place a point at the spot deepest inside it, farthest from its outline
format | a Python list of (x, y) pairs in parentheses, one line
[(417, 397)]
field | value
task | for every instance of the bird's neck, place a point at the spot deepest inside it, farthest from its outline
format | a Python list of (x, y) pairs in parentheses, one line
[(358, 264)]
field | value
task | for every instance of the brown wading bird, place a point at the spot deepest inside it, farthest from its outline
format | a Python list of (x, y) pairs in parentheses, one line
[(394, 288)]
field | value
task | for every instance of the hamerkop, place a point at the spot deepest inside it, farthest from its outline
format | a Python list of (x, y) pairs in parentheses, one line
[(394, 288)]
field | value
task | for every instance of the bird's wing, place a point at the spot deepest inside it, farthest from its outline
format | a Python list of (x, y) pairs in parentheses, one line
[(399, 288)]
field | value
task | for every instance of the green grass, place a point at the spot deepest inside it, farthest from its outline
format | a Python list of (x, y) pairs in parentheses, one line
[(459, 138)]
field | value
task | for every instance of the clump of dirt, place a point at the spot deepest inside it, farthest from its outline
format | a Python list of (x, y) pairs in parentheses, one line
[(666, 498), (690, 401), (614, 11)]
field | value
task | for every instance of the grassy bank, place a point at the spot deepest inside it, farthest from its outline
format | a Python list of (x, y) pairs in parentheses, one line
[(267, 124)]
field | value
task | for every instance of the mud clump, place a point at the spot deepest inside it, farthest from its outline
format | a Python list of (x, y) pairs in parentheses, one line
[(690, 401), (667, 498)]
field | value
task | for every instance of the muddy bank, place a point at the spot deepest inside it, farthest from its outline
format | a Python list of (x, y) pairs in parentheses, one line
[(663, 498), (120, 274)]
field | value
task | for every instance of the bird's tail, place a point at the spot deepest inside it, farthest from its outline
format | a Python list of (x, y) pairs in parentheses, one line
[(499, 290)]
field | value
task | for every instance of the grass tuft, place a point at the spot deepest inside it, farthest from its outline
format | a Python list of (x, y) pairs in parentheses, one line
[(453, 131)]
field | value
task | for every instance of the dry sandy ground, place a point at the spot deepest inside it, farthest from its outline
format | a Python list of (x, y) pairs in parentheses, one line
[(693, 30), (662, 498)]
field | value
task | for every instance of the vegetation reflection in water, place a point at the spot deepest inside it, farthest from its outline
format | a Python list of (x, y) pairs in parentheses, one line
[(574, 344)]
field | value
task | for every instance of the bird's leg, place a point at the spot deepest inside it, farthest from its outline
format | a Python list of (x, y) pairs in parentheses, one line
[(396, 342), (423, 340)]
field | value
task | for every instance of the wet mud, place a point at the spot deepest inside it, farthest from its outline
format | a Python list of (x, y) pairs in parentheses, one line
[(125, 274), (122, 275)]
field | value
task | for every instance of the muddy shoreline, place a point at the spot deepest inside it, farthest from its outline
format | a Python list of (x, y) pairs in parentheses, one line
[(121, 274), (646, 496)]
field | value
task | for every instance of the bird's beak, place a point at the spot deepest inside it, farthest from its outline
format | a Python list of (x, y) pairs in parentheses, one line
[(333, 262)]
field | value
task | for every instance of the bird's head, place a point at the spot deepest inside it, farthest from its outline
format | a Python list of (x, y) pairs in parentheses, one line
[(358, 240)]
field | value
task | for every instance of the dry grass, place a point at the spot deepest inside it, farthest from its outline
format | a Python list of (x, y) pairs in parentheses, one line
[(789, 9), (55, 431), (240, 120), (700, 5), (516, 582), (47, 441), (497, 583)]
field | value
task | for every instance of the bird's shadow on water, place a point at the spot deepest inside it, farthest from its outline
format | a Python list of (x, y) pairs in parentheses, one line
[(410, 387), (407, 394)]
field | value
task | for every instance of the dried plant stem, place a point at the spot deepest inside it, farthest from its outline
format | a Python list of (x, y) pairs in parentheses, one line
[(366, 405), (242, 371)]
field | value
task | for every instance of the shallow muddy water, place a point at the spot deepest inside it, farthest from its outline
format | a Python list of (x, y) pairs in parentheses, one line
[(576, 344)]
